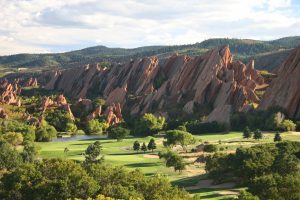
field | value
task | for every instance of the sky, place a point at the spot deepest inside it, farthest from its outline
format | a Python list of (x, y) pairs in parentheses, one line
[(43, 26)]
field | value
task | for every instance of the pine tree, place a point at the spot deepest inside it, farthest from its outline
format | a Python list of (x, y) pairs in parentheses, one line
[(247, 133), (152, 145), (144, 147), (257, 134), (136, 146), (277, 137)]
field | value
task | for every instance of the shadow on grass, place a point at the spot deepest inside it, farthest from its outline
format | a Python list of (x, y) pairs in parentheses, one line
[(125, 153), (137, 165), (150, 174), (189, 181), (87, 143)]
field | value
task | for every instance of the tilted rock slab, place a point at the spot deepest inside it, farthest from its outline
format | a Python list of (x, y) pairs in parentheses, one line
[(284, 91), (153, 85)]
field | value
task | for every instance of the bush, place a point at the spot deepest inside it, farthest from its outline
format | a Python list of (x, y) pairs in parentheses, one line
[(210, 148), (288, 125)]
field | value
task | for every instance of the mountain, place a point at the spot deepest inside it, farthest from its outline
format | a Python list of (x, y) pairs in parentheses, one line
[(267, 54), (212, 84), (284, 91)]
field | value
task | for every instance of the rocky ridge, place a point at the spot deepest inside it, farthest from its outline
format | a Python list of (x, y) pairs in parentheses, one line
[(153, 85)]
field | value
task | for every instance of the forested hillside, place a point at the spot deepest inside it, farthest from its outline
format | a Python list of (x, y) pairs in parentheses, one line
[(267, 53)]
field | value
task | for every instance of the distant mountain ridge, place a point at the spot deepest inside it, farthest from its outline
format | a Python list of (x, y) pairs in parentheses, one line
[(267, 54)]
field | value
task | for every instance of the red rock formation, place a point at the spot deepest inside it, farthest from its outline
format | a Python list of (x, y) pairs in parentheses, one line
[(284, 91), (61, 100), (46, 102), (114, 114), (32, 82), (149, 84), (95, 114), (9, 93)]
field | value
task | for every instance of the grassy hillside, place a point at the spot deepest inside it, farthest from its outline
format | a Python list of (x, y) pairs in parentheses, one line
[(267, 53)]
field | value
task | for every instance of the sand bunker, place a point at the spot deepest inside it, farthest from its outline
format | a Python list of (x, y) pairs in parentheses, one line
[(151, 156)]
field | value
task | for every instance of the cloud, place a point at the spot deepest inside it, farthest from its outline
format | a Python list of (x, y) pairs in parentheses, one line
[(51, 25)]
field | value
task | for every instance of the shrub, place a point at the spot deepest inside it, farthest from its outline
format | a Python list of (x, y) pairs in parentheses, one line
[(210, 148), (288, 125)]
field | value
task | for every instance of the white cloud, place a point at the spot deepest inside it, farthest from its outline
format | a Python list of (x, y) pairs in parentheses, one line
[(52, 25)]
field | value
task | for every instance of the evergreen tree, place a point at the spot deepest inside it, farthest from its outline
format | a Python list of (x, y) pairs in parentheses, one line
[(152, 145), (277, 137), (92, 152), (136, 146), (257, 134), (144, 147), (247, 133)]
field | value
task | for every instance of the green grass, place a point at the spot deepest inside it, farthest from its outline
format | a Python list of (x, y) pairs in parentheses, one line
[(121, 153)]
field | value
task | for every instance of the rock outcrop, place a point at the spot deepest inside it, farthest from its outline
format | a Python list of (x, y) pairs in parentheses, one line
[(9, 93), (59, 102), (153, 85), (32, 82), (97, 113), (284, 91), (114, 115)]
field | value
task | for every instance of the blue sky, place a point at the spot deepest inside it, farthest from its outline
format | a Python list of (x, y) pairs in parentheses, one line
[(40, 26)]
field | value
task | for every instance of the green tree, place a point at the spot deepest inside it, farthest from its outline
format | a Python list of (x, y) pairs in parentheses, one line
[(149, 124), (144, 147), (136, 146), (30, 151), (177, 137), (247, 133), (94, 126), (277, 137), (244, 195), (117, 132), (45, 134), (92, 152), (152, 145), (71, 128), (288, 125), (274, 186), (50, 179), (13, 138), (172, 160), (9, 157), (60, 119), (257, 134)]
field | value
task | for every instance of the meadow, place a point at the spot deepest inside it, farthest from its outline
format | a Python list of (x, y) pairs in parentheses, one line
[(121, 153)]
